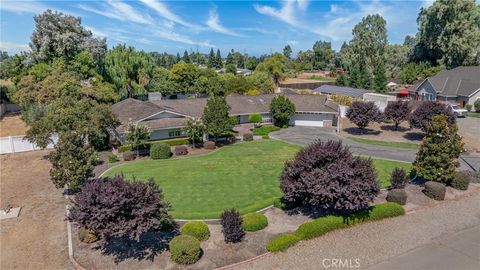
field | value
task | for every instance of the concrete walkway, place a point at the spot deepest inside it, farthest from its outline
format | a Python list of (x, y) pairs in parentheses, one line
[(420, 240), (305, 135), (460, 251)]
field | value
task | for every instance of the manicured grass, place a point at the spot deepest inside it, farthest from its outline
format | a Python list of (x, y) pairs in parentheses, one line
[(403, 145), (264, 130), (474, 114), (385, 167), (244, 175)]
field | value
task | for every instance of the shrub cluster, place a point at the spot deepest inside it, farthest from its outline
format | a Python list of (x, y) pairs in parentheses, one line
[(248, 137), (147, 145), (265, 137), (322, 225), (435, 190), (209, 145), (461, 181), (185, 249), (181, 150), (326, 175), (232, 226), (253, 222), (112, 158), (399, 178), (398, 196), (160, 151), (282, 242), (197, 229)]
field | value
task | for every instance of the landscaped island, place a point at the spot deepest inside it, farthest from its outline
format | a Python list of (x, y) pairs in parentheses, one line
[(243, 175)]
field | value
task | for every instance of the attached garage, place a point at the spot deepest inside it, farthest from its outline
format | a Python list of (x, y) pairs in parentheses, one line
[(311, 119)]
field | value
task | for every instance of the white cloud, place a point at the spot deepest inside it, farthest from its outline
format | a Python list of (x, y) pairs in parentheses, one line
[(119, 11), (214, 23), (163, 11), (287, 13), (427, 3), (12, 47), (22, 6)]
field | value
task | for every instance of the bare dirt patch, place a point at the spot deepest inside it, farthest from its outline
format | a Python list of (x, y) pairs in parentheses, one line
[(12, 125), (37, 239)]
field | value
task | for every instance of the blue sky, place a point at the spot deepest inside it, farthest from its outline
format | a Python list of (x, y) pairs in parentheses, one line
[(254, 27)]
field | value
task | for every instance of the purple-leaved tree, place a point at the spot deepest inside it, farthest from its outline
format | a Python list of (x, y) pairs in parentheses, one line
[(326, 175), (422, 116), (362, 113), (397, 111)]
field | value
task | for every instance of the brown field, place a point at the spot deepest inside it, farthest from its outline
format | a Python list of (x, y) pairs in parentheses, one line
[(12, 125), (37, 239)]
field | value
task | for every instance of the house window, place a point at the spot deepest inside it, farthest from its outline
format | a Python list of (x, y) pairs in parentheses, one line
[(174, 133)]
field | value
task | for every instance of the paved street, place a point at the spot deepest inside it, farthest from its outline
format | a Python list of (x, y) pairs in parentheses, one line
[(460, 251), (306, 135)]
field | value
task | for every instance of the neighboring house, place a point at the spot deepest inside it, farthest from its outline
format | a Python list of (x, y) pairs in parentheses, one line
[(459, 85), (342, 91), (379, 99), (239, 71), (167, 118)]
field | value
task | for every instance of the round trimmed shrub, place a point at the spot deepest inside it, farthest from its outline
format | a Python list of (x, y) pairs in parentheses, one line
[(197, 229), (253, 222), (209, 145), (461, 181), (385, 210), (87, 236), (435, 190), (248, 137), (160, 151), (398, 196), (320, 226), (282, 242), (184, 249), (112, 158)]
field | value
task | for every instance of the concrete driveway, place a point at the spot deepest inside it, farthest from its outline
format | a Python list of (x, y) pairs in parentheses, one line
[(306, 135)]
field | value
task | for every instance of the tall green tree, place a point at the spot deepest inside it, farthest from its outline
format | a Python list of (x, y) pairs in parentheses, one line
[(449, 33), (369, 42), (194, 129), (281, 109), (216, 118), (323, 54), (136, 135), (287, 51), (186, 57), (129, 70), (380, 79), (162, 81), (275, 66), (218, 60), (211, 59), (437, 157), (185, 75)]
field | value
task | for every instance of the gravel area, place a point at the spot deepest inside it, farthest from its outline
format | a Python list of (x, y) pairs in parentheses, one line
[(371, 243)]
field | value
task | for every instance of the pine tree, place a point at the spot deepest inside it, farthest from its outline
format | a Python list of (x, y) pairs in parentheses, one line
[(178, 57), (380, 80), (342, 80), (437, 157), (185, 57), (215, 116), (218, 60), (363, 80), (211, 59), (229, 59), (353, 76)]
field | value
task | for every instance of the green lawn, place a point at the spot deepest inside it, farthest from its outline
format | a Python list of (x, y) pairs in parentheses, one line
[(323, 79), (243, 175), (264, 130), (473, 114), (403, 145), (384, 169)]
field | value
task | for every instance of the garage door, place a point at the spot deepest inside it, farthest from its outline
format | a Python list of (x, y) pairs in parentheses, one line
[(307, 120)]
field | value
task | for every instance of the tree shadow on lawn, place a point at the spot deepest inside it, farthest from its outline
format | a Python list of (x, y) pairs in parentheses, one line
[(150, 245), (358, 131), (392, 128), (414, 136)]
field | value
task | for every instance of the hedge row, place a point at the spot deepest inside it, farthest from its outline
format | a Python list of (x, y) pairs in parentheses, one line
[(174, 142), (321, 226)]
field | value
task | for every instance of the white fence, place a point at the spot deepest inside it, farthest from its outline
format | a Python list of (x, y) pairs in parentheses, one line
[(16, 144)]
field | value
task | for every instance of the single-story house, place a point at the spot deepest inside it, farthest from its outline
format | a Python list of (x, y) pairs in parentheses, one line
[(342, 91), (166, 118), (459, 85)]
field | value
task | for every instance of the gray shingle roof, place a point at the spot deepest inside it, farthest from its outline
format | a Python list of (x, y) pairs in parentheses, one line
[(342, 90), (134, 110), (460, 81)]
